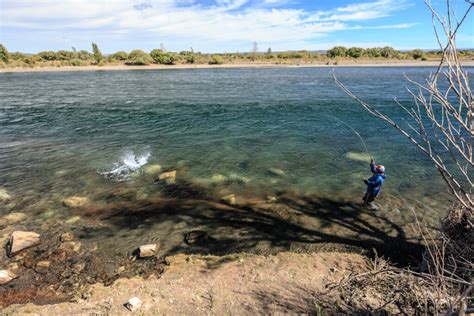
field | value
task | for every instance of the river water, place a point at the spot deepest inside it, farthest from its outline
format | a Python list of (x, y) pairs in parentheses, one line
[(259, 134)]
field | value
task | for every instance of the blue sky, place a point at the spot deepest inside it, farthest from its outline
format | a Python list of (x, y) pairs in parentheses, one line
[(220, 25)]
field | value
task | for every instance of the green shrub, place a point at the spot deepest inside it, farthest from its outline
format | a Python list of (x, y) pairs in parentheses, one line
[(337, 51), (138, 57), (416, 53), (97, 53), (65, 55), (216, 60), (75, 62), (47, 55), (18, 56), (161, 57), (84, 55), (388, 52), (4, 55), (119, 56), (355, 52), (373, 52), (188, 56)]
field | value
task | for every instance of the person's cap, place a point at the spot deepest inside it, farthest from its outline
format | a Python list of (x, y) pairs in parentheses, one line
[(380, 169)]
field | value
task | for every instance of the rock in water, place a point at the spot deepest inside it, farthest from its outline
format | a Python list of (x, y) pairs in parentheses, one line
[(4, 196), (147, 250), (66, 237), (168, 177), (70, 246), (20, 240), (133, 304), (229, 199), (75, 201), (276, 172), (6, 276), (217, 178), (151, 170), (42, 266), (196, 237), (12, 218)]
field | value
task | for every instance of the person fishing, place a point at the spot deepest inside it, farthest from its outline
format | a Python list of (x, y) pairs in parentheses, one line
[(374, 183)]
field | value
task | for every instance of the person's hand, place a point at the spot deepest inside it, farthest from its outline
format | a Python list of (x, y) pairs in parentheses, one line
[(371, 161), (365, 181)]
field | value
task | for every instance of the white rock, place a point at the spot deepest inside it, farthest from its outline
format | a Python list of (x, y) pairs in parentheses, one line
[(20, 240), (4, 196), (133, 304), (6, 276), (147, 250), (168, 177)]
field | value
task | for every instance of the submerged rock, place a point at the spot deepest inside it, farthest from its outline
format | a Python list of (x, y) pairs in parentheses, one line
[(217, 178), (66, 237), (73, 220), (70, 246), (196, 237), (229, 199), (4, 196), (6, 276), (169, 177), (276, 172), (13, 218), (42, 266), (151, 170), (145, 251), (20, 240), (75, 201)]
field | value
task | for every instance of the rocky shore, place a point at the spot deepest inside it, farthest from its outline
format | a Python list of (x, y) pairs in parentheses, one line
[(106, 241)]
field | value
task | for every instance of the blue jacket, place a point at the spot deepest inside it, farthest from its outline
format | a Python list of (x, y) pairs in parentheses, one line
[(374, 184)]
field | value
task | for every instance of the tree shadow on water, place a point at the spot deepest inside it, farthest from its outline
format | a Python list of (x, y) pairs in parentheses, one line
[(292, 223)]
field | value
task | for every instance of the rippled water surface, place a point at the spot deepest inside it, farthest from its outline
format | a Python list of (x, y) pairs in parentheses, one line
[(252, 132)]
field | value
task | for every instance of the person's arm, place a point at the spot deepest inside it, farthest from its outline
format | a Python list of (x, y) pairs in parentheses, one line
[(372, 166)]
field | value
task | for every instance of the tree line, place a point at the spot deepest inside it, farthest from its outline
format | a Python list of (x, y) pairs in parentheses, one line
[(161, 56)]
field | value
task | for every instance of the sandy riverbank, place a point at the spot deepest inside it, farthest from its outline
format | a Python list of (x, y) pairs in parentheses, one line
[(395, 63), (233, 285)]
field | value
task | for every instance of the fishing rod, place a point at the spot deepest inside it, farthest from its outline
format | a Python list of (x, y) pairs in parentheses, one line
[(355, 132)]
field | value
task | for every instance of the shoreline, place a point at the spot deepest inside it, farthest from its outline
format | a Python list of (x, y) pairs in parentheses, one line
[(468, 63)]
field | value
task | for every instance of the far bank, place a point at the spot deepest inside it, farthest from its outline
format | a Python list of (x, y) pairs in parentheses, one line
[(347, 63)]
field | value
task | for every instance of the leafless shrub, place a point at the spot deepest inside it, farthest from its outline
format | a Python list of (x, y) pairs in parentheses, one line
[(384, 289), (440, 124)]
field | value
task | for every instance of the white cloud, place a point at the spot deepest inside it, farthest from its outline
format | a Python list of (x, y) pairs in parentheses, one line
[(222, 24)]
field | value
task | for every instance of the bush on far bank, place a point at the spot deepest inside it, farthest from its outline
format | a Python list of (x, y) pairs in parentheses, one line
[(138, 57), (216, 60)]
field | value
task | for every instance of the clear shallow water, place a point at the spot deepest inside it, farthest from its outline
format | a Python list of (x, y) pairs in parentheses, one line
[(232, 122), (61, 134)]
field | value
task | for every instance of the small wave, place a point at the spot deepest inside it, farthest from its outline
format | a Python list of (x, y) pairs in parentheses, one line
[(126, 166)]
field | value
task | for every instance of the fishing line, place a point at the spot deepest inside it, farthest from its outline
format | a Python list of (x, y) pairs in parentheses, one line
[(356, 132)]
